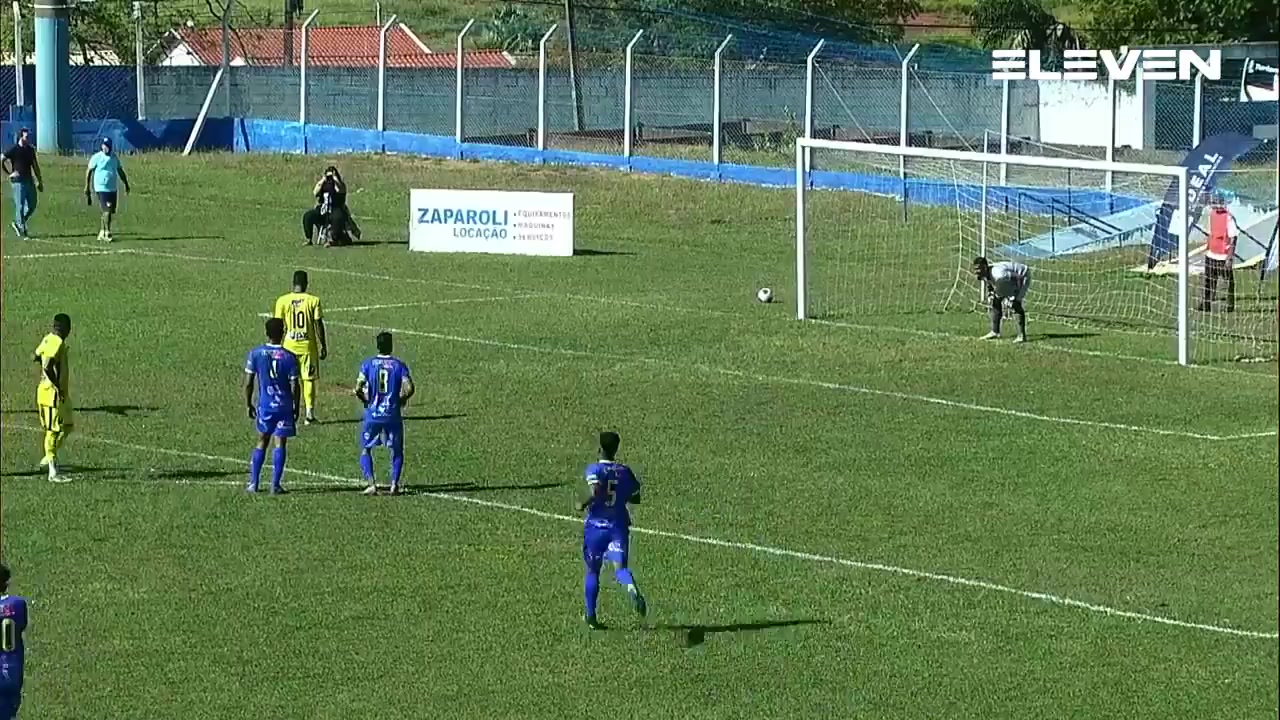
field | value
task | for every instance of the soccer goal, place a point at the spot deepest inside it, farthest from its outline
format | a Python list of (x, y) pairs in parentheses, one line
[(886, 236)]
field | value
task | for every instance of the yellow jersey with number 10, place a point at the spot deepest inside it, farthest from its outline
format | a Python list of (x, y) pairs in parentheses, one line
[(53, 352), (301, 314)]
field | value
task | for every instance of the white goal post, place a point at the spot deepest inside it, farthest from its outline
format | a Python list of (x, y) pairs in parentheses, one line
[(873, 246)]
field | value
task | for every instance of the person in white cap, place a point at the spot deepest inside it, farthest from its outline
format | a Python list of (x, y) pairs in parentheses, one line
[(102, 178)]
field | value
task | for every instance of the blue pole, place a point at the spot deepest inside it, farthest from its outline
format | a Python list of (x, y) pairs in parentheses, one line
[(53, 71)]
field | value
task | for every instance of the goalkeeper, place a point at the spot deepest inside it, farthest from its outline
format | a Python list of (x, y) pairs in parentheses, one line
[(1004, 281)]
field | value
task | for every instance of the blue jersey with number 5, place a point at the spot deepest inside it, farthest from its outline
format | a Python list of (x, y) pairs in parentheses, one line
[(13, 622), (383, 378), (276, 370), (617, 486)]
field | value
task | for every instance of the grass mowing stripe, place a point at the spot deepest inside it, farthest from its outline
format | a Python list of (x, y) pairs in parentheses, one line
[(1036, 347), (422, 303), (698, 539), (776, 379)]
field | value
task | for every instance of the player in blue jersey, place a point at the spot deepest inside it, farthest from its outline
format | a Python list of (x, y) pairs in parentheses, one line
[(13, 623), (612, 486), (274, 371), (384, 386)]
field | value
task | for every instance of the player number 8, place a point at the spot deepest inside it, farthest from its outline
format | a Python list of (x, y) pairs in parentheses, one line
[(384, 382)]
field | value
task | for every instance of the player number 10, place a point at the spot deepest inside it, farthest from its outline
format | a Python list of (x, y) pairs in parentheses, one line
[(8, 635)]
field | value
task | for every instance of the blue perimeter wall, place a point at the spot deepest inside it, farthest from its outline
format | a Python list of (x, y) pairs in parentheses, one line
[(245, 135)]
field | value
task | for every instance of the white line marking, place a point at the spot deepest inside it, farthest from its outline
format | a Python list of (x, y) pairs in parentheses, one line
[(776, 379), (698, 539), (35, 256), (1036, 347), (452, 301), (943, 335)]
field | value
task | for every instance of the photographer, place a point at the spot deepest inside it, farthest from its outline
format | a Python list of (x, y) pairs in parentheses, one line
[(329, 222)]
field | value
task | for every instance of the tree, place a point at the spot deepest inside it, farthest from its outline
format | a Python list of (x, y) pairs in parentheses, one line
[(696, 27), (1159, 22), (1025, 25)]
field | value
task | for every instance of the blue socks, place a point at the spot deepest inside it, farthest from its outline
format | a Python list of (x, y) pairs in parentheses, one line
[(397, 465), (366, 466), (277, 467), (592, 582), (256, 459), (623, 576)]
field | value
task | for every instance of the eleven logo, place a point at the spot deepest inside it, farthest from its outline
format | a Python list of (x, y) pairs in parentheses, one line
[(1155, 63)]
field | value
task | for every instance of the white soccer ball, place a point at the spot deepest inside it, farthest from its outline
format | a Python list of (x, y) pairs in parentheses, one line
[(764, 295)]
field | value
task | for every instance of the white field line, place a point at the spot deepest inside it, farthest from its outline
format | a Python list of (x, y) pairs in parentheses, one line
[(698, 539), (1035, 347), (776, 379), (723, 371), (451, 301), (37, 256)]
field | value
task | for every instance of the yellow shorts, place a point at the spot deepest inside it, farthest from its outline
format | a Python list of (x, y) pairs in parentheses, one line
[(308, 366), (54, 419)]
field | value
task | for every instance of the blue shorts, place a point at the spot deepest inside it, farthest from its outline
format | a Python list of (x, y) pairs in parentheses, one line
[(605, 543), (279, 423), (107, 201), (10, 700), (382, 432)]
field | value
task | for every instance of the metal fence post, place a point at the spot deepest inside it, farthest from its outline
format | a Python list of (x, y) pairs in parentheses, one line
[(809, 65), (627, 99), (1111, 130), (382, 73), (904, 136), (225, 67), (304, 57), (1005, 109), (542, 87), (140, 79), (458, 134), (717, 120), (1197, 119), (19, 58)]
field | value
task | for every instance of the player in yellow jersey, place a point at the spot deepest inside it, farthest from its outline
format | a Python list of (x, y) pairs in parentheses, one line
[(304, 336), (53, 399)]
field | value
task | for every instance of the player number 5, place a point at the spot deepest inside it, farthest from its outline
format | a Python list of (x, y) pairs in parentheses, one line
[(8, 635), (611, 492)]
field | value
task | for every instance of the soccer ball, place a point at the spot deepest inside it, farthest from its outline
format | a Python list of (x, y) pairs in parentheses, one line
[(764, 295)]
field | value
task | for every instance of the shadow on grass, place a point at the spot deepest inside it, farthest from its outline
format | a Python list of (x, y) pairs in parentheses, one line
[(117, 410), (64, 470), (1060, 336), (407, 490), (406, 418), (694, 635), (588, 252), (180, 475), (166, 238)]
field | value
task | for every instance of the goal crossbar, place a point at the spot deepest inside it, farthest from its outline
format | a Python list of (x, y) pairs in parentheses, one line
[(1176, 173), (1172, 171)]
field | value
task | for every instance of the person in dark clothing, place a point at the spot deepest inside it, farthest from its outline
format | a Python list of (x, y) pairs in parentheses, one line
[(330, 223), (23, 169)]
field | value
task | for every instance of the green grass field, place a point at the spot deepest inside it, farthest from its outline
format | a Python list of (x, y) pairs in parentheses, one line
[(867, 522)]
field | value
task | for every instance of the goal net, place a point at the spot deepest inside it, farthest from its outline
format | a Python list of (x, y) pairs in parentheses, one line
[(886, 237)]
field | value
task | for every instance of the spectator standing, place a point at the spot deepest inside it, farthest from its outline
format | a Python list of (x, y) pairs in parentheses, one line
[(23, 169)]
